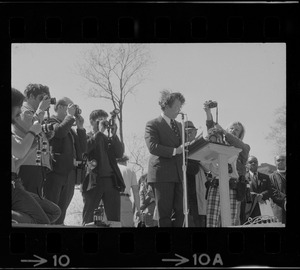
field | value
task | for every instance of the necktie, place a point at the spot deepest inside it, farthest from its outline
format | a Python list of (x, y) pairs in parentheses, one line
[(256, 179), (175, 128)]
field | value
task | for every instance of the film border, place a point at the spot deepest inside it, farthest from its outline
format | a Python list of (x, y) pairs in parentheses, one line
[(153, 23)]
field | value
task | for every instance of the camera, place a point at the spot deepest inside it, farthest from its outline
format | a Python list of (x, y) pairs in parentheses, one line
[(114, 113), (215, 136), (105, 124), (108, 124), (53, 101), (212, 104), (77, 111), (47, 128)]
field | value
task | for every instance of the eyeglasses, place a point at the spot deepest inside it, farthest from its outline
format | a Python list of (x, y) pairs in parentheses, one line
[(252, 161), (280, 160)]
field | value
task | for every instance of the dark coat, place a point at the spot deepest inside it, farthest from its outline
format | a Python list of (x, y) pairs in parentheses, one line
[(279, 192), (62, 144), (265, 187), (278, 189), (114, 149), (161, 141)]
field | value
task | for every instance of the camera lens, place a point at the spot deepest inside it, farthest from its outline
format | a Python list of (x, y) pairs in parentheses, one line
[(52, 101)]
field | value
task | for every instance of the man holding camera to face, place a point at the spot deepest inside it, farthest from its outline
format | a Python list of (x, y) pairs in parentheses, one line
[(68, 147), (105, 180), (36, 165)]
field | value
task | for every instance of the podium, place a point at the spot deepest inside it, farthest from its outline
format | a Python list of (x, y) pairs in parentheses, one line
[(207, 152)]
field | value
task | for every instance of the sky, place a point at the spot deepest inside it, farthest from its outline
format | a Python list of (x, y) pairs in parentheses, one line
[(248, 80)]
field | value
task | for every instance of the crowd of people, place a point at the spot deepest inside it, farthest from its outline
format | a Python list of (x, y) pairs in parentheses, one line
[(51, 154)]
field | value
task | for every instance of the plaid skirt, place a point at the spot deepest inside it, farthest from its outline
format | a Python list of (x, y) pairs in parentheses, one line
[(213, 210)]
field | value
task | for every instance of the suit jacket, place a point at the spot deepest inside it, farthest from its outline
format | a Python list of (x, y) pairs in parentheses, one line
[(278, 195), (264, 188), (161, 141), (278, 189), (63, 143), (114, 151), (252, 209)]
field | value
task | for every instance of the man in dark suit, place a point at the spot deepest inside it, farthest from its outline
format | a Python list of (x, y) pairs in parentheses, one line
[(163, 139), (68, 147), (260, 188), (278, 180), (104, 182)]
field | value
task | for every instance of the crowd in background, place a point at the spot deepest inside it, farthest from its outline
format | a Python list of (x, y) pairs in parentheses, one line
[(53, 153)]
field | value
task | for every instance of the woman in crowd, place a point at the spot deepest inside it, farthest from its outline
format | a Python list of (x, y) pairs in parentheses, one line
[(233, 135)]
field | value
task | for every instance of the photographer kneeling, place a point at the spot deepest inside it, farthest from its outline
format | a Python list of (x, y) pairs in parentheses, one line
[(36, 166), (233, 135), (26, 207)]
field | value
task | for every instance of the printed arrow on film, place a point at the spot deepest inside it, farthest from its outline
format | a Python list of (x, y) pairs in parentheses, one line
[(39, 261), (181, 260)]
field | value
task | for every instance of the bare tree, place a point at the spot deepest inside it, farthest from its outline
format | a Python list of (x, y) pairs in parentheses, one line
[(115, 70), (138, 153), (278, 131)]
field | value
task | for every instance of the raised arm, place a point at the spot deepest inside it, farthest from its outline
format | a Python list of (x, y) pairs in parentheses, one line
[(21, 147)]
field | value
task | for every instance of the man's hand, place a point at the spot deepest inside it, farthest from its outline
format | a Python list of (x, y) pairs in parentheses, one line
[(208, 111), (138, 215), (79, 121), (179, 149), (114, 129), (260, 198), (206, 108), (36, 127), (44, 104), (71, 109), (50, 135), (102, 125)]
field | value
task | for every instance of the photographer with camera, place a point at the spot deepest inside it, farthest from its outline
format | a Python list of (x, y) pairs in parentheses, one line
[(36, 166), (106, 176), (26, 207), (68, 147), (233, 135)]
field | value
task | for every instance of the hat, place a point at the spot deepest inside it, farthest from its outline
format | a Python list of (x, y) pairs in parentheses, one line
[(189, 125)]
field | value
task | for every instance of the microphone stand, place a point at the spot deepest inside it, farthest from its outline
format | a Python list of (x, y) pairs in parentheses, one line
[(185, 207)]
